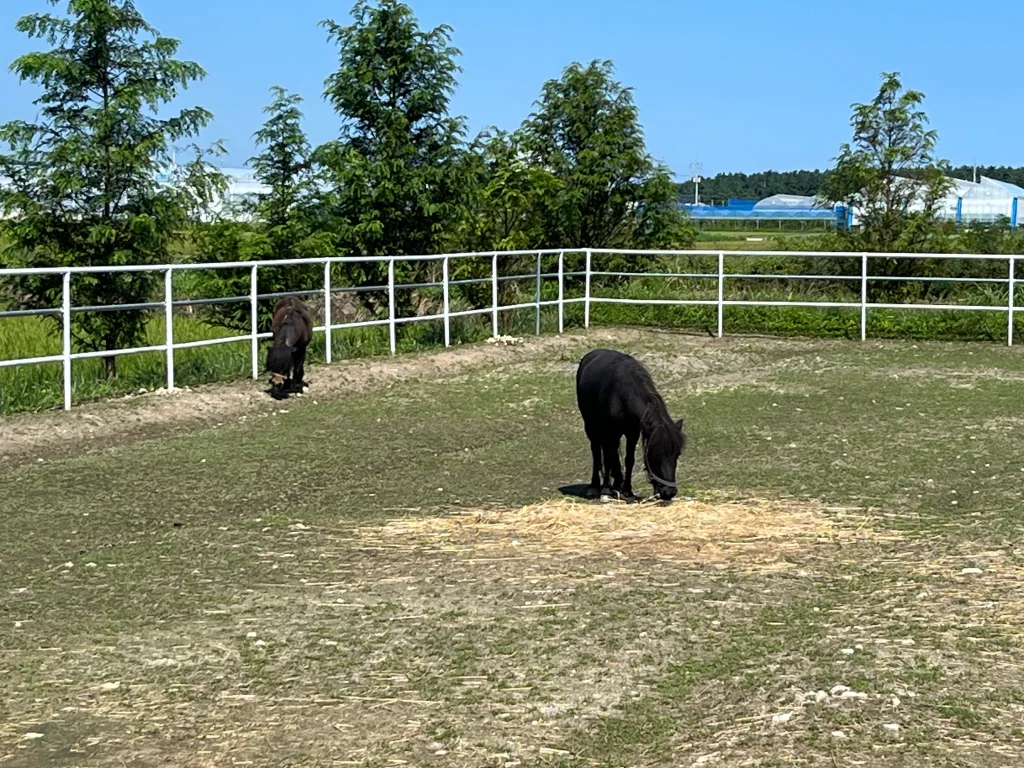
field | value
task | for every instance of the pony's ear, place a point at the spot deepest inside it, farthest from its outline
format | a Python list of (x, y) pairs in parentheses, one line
[(679, 425)]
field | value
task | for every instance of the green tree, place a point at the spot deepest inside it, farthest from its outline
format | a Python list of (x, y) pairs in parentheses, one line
[(82, 180), (283, 223), (610, 192), (288, 210), (506, 213), (719, 188), (889, 172), (397, 172), (997, 172), (509, 195)]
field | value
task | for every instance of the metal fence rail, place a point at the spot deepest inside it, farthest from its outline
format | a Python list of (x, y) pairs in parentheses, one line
[(168, 303)]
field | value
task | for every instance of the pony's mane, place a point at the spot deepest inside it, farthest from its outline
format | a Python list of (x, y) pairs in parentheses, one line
[(288, 309), (290, 317), (644, 378), (656, 423), (656, 418)]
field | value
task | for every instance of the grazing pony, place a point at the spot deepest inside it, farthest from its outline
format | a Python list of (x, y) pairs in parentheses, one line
[(292, 328), (616, 397)]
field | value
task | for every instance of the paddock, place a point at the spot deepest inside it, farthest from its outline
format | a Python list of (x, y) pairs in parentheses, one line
[(396, 568)]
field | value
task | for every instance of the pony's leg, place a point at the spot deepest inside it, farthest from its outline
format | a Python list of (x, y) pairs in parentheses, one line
[(612, 465), (595, 452), (606, 467), (631, 440), (595, 480), (299, 364)]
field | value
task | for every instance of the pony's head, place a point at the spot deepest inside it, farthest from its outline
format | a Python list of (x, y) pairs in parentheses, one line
[(662, 450), (279, 364)]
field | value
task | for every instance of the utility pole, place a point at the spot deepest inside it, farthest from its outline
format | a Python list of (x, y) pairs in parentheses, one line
[(695, 169)]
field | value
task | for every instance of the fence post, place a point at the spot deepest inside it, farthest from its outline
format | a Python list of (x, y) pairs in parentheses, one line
[(586, 294), (391, 306), (254, 321), (863, 296), (169, 325), (537, 321), (447, 303), (65, 311), (1009, 313), (721, 294), (328, 342), (494, 294), (561, 291)]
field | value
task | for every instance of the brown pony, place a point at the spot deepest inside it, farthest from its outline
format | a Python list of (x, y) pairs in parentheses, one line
[(292, 328)]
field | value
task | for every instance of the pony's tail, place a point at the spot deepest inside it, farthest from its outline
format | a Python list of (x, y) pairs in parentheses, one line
[(279, 359)]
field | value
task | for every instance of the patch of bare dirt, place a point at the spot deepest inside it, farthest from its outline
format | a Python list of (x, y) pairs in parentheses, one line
[(965, 379), (700, 365), (1002, 423)]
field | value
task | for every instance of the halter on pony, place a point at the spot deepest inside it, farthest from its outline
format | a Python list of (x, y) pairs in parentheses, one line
[(650, 475)]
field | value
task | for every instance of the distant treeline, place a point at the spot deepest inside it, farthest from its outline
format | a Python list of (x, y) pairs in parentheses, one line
[(756, 186), (997, 172)]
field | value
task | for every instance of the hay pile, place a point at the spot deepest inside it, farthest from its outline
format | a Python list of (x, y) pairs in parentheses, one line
[(706, 530)]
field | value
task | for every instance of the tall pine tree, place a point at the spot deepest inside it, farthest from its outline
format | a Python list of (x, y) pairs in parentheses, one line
[(397, 169), (82, 180), (288, 210), (286, 222)]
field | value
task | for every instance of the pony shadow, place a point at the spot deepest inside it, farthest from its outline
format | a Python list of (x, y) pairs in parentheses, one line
[(579, 491), (583, 492)]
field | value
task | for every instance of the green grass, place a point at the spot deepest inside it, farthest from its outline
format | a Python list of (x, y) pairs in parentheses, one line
[(767, 239), (834, 322), (39, 386), (240, 585)]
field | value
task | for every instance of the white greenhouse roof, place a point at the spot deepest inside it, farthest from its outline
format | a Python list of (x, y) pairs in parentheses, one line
[(787, 201)]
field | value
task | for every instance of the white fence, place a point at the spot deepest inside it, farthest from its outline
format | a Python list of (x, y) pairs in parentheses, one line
[(588, 299)]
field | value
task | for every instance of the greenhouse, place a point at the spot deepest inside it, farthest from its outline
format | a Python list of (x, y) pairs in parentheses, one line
[(774, 208), (987, 201)]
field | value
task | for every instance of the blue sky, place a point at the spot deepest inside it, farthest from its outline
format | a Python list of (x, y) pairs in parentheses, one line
[(738, 86)]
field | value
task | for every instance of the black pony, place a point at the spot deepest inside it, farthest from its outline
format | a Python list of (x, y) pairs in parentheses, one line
[(617, 397), (292, 328)]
